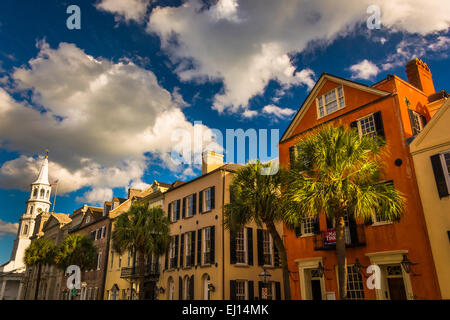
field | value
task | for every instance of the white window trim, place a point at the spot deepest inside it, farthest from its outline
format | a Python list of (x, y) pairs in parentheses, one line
[(245, 288), (272, 253), (204, 246), (444, 168), (188, 207), (245, 263), (362, 118), (339, 107), (306, 234)]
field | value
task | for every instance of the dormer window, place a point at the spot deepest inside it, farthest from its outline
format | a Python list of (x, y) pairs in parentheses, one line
[(88, 219), (330, 102)]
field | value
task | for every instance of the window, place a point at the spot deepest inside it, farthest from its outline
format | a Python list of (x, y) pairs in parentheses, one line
[(120, 262), (267, 248), (207, 246), (441, 169), (207, 200), (307, 225), (445, 160), (25, 230), (99, 259), (35, 193), (417, 121), (268, 292), (175, 214), (93, 234), (367, 125), (88, 219), (112, 260), (240, 290), (355, 288), (42, 194), (31, 209), (188, 253), (99, 234), (129, 258), (171, 288), (187, 283), (95, 293), (330, 102), (241, 255), (190, 206), (172, 254)]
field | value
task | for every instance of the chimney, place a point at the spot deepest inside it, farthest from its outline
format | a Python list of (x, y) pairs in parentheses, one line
[(133, 192), (419, 75), (211, 161)]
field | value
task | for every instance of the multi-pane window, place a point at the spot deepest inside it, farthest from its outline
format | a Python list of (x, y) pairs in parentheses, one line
[(99, 234), (267, 248), (330, 102), (240, 247), (240, 290), (99, 259), (172, 253), (416, 121), (188, 250), (207, 200), (175, 210), (207, 246), (367, 125), (355, 288), (445, 160), (190, 205), (308, 225)]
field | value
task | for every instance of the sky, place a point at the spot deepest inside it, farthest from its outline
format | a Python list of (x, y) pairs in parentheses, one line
[(112, 89)]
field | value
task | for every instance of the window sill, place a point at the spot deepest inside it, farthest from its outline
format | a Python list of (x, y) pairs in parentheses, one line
[(207, 211), (241, 265), (381, 223), (306, 235)]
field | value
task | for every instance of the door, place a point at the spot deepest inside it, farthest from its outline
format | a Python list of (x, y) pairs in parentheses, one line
[(149, 290), (396, 289), (316, 289)]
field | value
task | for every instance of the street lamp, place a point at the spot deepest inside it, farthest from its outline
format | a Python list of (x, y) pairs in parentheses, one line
[(320, 269), (357, 267), (265, 276), (406, 264)]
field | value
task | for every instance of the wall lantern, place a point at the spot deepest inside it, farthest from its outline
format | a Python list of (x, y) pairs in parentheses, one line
[(265, 276), (406, 264), (320, 269)]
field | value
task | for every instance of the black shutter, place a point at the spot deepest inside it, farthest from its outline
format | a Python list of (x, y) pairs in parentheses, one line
[(178, 209), (277, 290), (259, 239), (316, 226), (232, 247), (276, 256), (183, 212), (194, 210), (291, 156), (354, 125), (439, 175), (250, 246), (168, 211), (199, 247), (200, 202), (379, 124), (213, 246), (251, 291), (192, 248), (232, 290), (213, 197), (191, 288), (176, 251), (260, 287), (181, 250), (352, 227), (298, 231), (180, 288)]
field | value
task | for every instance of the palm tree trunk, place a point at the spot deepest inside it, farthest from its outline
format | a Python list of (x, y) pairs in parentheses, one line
[(341, 255), (38, 280), (141, 270), (283, 257)]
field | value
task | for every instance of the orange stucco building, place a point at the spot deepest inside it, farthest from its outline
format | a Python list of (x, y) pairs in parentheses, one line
[(396, 110)]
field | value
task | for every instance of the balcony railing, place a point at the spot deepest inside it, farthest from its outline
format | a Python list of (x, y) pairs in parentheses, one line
[(151, 270), (326, 240)]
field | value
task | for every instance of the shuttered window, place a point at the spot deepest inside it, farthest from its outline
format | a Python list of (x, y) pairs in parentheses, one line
[(441, 170)]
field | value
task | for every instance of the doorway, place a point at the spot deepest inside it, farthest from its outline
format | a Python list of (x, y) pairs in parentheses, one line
[(395, 285)]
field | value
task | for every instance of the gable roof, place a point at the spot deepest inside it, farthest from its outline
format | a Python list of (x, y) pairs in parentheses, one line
[(312, 95)]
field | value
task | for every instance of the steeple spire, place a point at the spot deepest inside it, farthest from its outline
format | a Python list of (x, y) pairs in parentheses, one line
[(43, 173)]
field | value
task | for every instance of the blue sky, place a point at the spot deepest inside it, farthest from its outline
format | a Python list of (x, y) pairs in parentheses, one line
[(107, 98)]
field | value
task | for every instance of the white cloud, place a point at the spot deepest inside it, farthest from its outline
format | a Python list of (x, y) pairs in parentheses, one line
[(125, 9), (364, 70), (277, 111), (442, 43), (7, 228), (101, 119), (252, 41), (96, 196)]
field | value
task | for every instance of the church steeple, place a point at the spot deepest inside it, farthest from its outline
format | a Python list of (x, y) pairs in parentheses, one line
[(43, 173)]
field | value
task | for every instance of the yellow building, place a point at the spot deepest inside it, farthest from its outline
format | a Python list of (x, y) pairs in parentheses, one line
[(204, 262), (120, 282), (431, 155)]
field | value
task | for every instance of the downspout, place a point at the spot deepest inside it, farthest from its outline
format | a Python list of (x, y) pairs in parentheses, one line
[(223, 236)]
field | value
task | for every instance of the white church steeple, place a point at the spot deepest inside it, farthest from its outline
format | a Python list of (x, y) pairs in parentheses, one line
[(38, 202)]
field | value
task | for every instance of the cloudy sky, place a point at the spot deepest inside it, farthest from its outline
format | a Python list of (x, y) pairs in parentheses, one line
[(106, 99)]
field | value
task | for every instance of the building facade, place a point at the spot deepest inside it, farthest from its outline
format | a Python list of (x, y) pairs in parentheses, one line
[(395, 110), (431, 155), (204, 262)]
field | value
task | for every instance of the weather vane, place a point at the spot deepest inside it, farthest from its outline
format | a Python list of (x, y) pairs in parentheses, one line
[(46, 151)]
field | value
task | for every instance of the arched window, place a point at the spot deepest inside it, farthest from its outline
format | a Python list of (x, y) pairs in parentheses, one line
[(25, 229), (186, 288), (35, 193), (206, 290), (31, 210), (42, 194), (171, 291), (47, 195)]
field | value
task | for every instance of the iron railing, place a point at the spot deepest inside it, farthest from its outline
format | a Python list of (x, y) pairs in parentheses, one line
[(151, 270)]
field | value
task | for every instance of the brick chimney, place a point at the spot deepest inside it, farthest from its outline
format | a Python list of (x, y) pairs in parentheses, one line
[(419, 75), (211, 161)]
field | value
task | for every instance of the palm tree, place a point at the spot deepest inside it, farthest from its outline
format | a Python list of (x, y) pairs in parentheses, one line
[(256, 196), (337, 173), (142, 230), (77, 249), (40, 252)]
